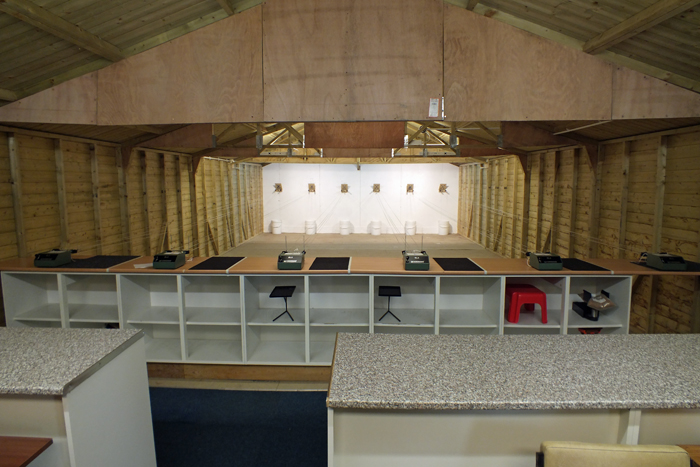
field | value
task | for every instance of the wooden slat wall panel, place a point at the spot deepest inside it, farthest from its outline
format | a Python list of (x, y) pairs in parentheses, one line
[(362, 60), (673, 301), (8, 238)]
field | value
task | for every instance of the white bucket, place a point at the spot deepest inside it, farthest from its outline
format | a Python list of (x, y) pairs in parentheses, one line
[(310, 227), (376, 227), (276, 226), (443, 227), (410, 227), (345, 227)]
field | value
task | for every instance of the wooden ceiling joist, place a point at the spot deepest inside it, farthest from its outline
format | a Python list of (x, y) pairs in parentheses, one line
[(645, 19), (226, 7), (53, 24), (198, 135), (7, 95)]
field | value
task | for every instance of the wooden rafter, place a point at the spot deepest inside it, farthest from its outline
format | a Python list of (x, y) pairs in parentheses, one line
[(7, 95), (53, 24), (226, 7), (471, 4), (645, 19)]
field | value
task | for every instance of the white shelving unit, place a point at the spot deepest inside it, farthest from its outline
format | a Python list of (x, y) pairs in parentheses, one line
[(337, 303), (415, 307), (152, 302), (212, 311), (269, 340), (226, 318)]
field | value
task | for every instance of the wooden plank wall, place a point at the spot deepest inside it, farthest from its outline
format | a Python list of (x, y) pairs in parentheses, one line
[(70, 196), (649, 195)]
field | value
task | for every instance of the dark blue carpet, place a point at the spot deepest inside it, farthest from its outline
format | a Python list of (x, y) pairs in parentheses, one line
[(199, 427)]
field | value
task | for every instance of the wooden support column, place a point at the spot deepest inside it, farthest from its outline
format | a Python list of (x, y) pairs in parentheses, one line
[(555, 205), (123, 203), (525, 236), (61, 188), (165, 245), (223, 168), (146, 217), (232, 200), (205, 203), (658, 223), (623, 198), (96, 199), (540, 204), (16, 181), (178, 195), (514, 207), (597, 175), (194, 220), (573, 208)]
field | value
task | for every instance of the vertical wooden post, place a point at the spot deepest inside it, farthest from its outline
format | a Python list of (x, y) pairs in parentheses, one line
[(514, 207), (96, 199), (146, 217), (573, 208), (205, 202), (554, 229), (178, 193), (483, 206), (17, 205), (623, 198), (540, 205), (525, 236), (194, 216), (231, 201), (61, 186), (123, 203), (166, 245), (597, 175), (658, 223)]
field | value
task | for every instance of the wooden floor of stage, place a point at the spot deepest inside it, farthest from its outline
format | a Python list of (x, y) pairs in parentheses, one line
[(387, 245)]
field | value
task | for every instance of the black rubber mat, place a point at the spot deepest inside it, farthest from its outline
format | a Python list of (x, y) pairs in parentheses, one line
[(98, 262), (457, 264), (330, 263), (218, 263), (690, 266), (574, 264)]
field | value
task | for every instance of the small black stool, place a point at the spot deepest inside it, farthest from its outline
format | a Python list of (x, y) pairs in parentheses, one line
[(389, 291), (283, 291)]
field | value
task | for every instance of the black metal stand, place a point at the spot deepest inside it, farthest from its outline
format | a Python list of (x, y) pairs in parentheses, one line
[(283, 291), (389, 291), (285, 311), (388, 312)]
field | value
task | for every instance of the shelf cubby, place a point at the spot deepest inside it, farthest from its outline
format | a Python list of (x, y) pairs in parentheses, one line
[(322, 341), (615, 320), (469, 302), (214, 344), (415, 307), (162, 341), (150, 299), (275, 345), (91, 298), (212, 300), (341, 300), (34, 301), (555, 287)]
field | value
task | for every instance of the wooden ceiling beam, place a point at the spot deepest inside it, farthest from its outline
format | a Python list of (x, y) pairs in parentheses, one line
[(226, 7), (471, 4), (645, 19), (7, 95), (53, 24)]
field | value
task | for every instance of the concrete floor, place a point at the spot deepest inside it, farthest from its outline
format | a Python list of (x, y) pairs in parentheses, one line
[(390, 245)]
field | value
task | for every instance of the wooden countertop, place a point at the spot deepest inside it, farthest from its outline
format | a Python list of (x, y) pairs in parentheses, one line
[(358, 265), (18, 451)]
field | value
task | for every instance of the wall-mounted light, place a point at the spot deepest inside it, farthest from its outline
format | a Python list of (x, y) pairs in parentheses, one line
[(278, 188)]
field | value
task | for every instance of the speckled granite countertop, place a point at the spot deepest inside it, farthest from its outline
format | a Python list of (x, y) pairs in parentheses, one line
[(428, 372), (49, 362)]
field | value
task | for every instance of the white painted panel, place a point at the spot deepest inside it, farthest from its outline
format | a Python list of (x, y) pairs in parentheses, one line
[(108, 416), (392, 205)]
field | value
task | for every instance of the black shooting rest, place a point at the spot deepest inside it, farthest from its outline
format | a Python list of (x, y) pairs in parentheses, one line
[(389, 291), (283, 291)]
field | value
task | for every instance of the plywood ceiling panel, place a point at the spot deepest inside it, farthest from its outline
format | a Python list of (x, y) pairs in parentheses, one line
[(354, 134), (497, 72), (351, 59), (211, 75)]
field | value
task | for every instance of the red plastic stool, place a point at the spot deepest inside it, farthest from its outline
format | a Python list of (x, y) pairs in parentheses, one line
[(528, 295)]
